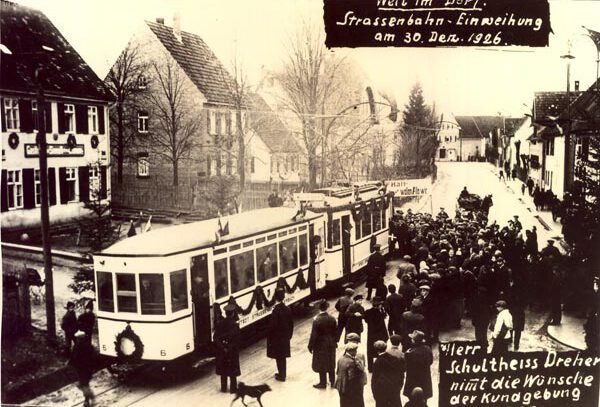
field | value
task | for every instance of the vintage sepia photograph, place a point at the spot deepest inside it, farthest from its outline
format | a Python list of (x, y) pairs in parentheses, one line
[(281, 203)]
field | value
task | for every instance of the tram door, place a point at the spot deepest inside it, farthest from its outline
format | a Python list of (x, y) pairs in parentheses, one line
[(346, 256), (200, 300)]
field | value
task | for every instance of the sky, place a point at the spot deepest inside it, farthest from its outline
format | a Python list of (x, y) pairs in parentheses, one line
[(461, 81)]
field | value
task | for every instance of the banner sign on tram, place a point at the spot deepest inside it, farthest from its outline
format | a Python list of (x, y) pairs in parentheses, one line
[(409, 187)]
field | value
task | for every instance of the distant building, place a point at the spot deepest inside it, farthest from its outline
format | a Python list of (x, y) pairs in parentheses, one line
[(479, 137), (450, 147), (76, 123)]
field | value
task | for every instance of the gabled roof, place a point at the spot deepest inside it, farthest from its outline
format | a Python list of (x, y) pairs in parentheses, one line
[(478, 126), (547, 105), (34, 41), (512, 124), (269, 127), (198, 62)]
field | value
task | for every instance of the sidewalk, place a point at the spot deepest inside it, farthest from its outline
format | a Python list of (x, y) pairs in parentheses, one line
[(569, 333)]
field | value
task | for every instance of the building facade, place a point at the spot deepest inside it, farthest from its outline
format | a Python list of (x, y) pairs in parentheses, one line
[(74, 114), (450, 147)]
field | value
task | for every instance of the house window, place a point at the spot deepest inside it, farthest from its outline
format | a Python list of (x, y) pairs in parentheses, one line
[(143, 122), (225, 127), (11, 114), (94, 172), (15, 189), (228, 122), (34, 114), (212, 122), (143, 166), (92, 119), (71, 184), (252, 165), (70, 118), (218, 123), (38, 187), (142, 82)]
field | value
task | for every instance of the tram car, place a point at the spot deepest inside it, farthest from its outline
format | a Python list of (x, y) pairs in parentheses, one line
[(160, 293)]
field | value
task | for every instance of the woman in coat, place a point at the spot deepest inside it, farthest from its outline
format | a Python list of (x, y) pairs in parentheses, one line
[(226, 340), (322, 344), (351, 378), (418, 366)]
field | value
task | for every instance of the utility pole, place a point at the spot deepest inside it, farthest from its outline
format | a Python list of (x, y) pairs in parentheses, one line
[(569, 150), (45, 216)]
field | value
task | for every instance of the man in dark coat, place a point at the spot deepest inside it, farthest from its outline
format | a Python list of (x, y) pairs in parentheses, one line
[(375, 270), (351, 377), (322, 344), (83, 361), (517, 300), (281, 328), (227, 342), (407, 289), (394, 307), (418, 365), (387, 379), (87, 321), (411, 320), (342, 306), (376, 330), (354, 316), (69, 326), (481, 315)]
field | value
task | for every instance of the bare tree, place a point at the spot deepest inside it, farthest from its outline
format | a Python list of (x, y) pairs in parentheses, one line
[(175, 120), (126, 80)]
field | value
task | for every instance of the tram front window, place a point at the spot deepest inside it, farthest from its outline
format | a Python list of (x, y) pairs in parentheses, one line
[(179, 299), (126, 293), (152, 294), (106, 299), (266, 261)]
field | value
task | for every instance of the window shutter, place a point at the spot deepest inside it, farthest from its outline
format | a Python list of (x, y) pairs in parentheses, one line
[(4, 188), (84, 184), (61, 118), (81, 119), (62, 184), (207, 121), (100, 119), (103, 180), (28, 188), (2, 117), (47, 116), (25, 115), (51, 186)]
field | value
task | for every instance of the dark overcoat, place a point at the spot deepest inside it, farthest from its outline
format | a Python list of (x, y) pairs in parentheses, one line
[(387, 380), (376, 330), (354, 323), (375, 270), (322, 343), (394, 306), (280, 331), (227, 341), (86, 322), (418, 369), (69, 323), (83, 360)]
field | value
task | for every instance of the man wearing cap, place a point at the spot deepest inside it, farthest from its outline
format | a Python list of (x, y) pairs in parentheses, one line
[(342, 306), (322, 344), (376, 330), (375, 270), (550, 254), (353, 337), (279, 335), (418, 365), (351, 378), (388, 375), (226, 340), (411, 320), (87, 321), (406, 267), (502, 335), (518, 225), (394, 307), (69, 326), (354, 316)]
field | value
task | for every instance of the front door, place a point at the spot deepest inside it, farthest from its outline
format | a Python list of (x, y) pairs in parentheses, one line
[(346, 233), (200, 300), (442, 153)]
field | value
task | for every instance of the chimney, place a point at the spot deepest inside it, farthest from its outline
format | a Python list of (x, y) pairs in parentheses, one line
[(576, 86), (177, 25), (160, 20)]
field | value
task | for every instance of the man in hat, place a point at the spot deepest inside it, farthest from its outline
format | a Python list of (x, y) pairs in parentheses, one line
[(550, 254), (353, 337), (227, 341), (394, 307), (279, 335), (517, 223), (376, 330), (418, 365), (87, 321), (502, 335), (69, 326), (83, 361), (406, 267), (387, 379), (430, 311), (411, 320), (342, 306), (354, 316), (351, 378), (322, 344), (375, 270), (407, 289)]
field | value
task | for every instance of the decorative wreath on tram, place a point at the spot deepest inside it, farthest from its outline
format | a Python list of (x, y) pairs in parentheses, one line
[(128, 345)]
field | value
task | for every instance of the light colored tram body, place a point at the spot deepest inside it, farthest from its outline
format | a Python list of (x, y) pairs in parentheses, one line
[(145, 283)]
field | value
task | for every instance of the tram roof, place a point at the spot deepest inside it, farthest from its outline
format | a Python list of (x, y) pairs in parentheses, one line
[(191, 236)]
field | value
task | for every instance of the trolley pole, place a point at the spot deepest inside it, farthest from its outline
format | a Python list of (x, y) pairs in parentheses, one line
[(45, 216)]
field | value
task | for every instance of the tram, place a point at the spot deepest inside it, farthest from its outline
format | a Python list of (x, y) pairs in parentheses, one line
[(160, 293)]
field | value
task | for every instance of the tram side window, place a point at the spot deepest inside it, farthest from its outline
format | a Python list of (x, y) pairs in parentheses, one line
[(335, 233), (126, 293), (383, 218), (376, 221), (303, 246), (179, 296), (357, 231), (221, 288), (241, 268), (152, 294), (106, 299), (288, 254), (266, 262), (366, 224)]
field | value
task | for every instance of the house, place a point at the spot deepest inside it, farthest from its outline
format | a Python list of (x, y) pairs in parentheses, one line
[(478, 137), (505, 148), (449, 148), (526, 152), (75, 118)]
